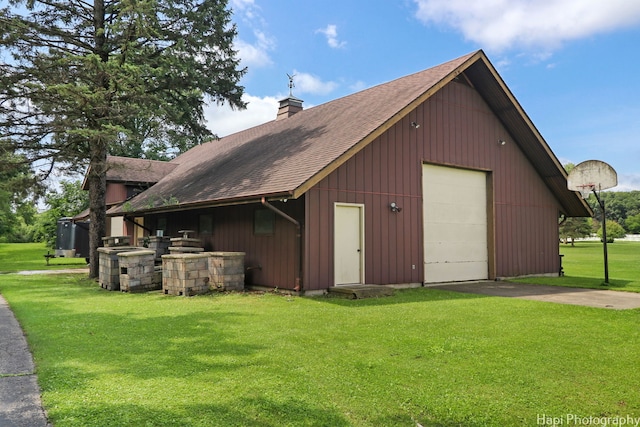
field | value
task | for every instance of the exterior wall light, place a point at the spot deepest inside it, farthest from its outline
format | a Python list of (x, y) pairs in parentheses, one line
[(394, 207)]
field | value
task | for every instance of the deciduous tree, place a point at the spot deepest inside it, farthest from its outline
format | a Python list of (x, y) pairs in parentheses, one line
[(632, 224), (573, 228), (614, 231)]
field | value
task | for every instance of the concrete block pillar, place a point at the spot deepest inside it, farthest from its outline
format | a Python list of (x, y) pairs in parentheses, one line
[(137, 271), (108, 266), (227, 270)]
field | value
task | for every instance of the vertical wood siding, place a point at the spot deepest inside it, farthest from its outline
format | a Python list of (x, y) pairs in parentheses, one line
[(116, 193), (457, 128), (233, 231)]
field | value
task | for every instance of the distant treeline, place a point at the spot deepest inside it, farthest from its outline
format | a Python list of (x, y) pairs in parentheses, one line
[(622, 207)]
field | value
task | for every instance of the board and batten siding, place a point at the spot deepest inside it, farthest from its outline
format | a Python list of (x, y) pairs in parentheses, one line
[(457, 128), (270, 260), (116, 192)]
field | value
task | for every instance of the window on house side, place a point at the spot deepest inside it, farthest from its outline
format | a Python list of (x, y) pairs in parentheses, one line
[(205, 224), (264, 222)]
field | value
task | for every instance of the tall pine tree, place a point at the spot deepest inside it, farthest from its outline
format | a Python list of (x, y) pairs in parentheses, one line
[(80, 79)]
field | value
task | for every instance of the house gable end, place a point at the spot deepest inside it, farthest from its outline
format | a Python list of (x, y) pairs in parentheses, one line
[(495, 92), (477, 72), (395, 118)]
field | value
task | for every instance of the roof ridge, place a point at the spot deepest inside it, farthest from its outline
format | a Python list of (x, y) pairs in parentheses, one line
[(286, 158)]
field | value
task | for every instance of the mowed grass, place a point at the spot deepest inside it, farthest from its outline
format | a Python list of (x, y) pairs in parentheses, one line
[(30, 256), (584, 266), (248, 359)]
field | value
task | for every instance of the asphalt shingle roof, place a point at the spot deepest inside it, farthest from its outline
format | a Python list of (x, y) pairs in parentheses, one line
[(126, 169), (284, 158), (278, 157)]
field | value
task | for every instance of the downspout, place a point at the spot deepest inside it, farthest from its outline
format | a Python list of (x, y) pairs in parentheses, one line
[(298, 285), (133, 221)]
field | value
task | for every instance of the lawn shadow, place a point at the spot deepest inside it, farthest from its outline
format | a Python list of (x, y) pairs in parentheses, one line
[(110, 337), (400, 296), (220, 411), (148, 347)]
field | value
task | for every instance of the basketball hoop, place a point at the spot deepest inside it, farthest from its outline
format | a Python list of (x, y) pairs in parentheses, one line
[(585, 190), (589, 176)]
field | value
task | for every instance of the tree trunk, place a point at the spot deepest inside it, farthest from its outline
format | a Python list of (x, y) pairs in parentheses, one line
[(98, 156), (97, 203)]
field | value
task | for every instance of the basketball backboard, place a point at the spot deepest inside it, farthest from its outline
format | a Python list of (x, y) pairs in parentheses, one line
[(594, 175), (591, 175)]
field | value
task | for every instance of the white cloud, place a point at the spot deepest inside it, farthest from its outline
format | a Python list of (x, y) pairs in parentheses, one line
[(242, 4), (256, 54), (358, 86), (308, 83), (222, 120), (628, 182), (253, 54), (247, 7), (499, 25), (331, 32)]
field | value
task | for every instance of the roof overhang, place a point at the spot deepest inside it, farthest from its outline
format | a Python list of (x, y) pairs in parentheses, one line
[(485, 79), (121, 208)]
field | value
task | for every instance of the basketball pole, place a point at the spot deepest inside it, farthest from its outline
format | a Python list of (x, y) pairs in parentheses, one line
[(595, 175), (604, 237)]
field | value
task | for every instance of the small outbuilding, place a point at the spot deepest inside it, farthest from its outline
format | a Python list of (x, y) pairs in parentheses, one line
[(438, 176)]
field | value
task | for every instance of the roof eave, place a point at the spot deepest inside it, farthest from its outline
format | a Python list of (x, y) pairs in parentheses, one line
[(506, 107), (119, 210)]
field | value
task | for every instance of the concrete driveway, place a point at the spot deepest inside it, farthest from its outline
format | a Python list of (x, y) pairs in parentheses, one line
[(616, 300)]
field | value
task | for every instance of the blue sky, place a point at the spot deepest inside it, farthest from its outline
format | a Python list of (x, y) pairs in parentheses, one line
[(572, 64)]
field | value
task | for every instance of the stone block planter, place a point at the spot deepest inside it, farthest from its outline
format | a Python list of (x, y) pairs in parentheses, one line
[(186, 274), (159, 244), (108, 266), (137, 271), (227, 270)]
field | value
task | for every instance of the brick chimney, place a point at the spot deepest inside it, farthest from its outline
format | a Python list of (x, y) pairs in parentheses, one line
[(288, 107)]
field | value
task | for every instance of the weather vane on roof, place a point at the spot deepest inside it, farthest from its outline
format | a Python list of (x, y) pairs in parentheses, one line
[(291, 84)]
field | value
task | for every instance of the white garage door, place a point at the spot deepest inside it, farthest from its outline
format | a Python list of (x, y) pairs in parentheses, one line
[(455, 224)]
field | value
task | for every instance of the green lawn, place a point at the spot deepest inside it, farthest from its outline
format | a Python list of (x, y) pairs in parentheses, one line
[(423, 356), (584, 266), (30, 256)]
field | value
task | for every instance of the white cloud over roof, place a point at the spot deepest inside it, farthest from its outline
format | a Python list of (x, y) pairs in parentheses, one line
[(331, 32), (309, 83), (499, 25), (222, 120), (255, 53)]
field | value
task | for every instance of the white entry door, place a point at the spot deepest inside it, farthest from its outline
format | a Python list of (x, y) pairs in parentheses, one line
[(455, 224), (348, 244)]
